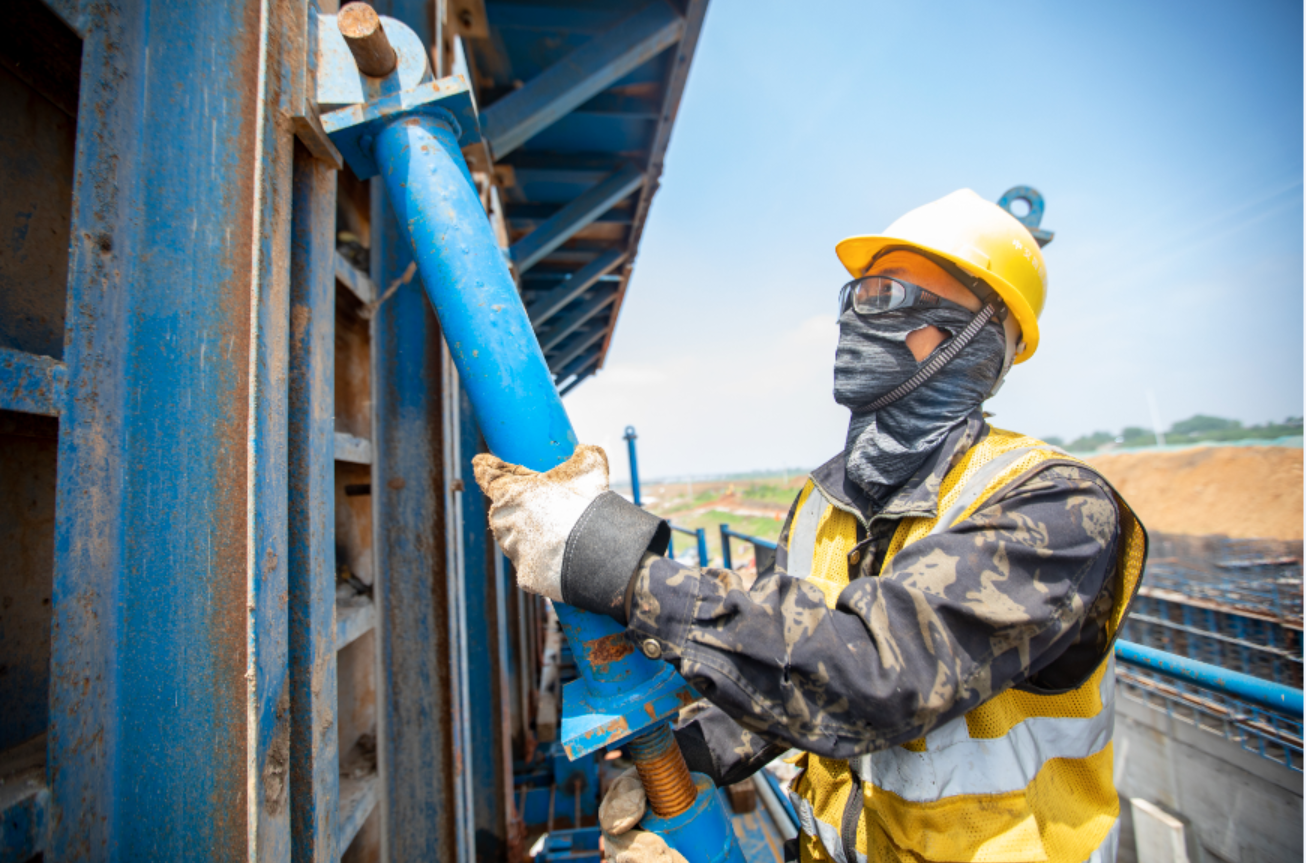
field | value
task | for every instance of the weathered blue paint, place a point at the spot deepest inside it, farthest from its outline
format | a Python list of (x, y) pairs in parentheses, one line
[(169, 651), (314, 760), (585, 71), (499, 361), (629, 438), (415, 739), (562, 225), (620, 691), (491, 759), (32, 384), (702, 833), (25, 825), (355, 129), (1265, 694), (356, 281)]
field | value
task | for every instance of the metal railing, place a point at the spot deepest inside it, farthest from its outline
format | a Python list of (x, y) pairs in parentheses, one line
[(699, 534), (1261, 716), (763, 549)]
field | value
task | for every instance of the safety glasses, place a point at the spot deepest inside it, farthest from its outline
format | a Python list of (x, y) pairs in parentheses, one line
[(874, 295)]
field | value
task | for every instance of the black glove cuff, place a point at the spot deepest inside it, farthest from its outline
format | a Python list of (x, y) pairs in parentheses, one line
[(603, 551)]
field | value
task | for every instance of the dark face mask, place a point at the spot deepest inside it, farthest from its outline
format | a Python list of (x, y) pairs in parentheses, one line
[(885, 447)]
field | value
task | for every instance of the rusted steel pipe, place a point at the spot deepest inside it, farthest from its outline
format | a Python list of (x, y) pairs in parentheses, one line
[(361, 27), (663, 771)]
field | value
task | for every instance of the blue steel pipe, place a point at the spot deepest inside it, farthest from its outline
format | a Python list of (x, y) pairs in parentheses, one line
[(507, 380), (634, 465), (1274, 697)]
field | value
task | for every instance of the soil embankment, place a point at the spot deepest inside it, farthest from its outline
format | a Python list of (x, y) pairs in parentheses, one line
[(1231, 491)]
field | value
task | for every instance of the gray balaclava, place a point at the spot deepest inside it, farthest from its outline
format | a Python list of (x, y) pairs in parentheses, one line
[(885, 447)]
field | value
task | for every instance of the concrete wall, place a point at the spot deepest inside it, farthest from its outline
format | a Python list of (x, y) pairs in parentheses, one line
[(1244, 808)]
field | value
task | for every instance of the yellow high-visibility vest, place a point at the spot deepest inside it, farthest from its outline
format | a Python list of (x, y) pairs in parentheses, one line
[(1023, 776)]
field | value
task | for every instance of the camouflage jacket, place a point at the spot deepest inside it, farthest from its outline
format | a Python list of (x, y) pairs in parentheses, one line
[(1032, 570)]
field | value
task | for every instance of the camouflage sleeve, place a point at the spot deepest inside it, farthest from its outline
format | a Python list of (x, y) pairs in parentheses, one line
[(957, 618), (717, 746)]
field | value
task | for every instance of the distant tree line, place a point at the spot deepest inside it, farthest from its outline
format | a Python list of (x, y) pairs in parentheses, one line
[(1195, 429)]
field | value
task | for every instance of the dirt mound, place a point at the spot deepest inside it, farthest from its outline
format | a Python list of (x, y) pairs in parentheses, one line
[(1232, 491)]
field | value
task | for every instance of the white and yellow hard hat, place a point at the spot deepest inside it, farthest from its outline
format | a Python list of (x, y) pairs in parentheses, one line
[(982, 239)]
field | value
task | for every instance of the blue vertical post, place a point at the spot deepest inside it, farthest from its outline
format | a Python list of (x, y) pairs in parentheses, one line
[(726, 563), (703, 559), (634, 464), (169, 706), (314, 759), (491, 761), (416, 709)]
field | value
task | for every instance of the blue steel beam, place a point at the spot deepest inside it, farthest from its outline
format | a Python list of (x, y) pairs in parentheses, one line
[(575, 319), (169, 706), (582, 344), (695, 13), (1266, 694), (581, 363), (32, 384), (555, 300), (314, 759), (583, 73), (561, 226)]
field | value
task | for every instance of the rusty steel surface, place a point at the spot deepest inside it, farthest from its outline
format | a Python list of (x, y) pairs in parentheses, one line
[(663, 772), (169, 714), (366, 38)]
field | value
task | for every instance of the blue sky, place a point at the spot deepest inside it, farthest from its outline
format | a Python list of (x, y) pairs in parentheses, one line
[(1166, 138)]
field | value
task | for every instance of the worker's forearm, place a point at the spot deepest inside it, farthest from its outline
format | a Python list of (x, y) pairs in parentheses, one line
[(715, 745), (959, 617)]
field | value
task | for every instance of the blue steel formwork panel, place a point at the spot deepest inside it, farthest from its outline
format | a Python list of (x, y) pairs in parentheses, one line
[(169, 708)]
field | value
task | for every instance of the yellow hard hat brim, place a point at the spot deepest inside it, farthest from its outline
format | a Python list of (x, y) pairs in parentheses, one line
[(856, 254)]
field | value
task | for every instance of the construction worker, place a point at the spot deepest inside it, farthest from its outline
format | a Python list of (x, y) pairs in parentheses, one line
[(935, 635)]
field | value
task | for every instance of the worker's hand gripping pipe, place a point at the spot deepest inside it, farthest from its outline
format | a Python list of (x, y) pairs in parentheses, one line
[(413, 139)]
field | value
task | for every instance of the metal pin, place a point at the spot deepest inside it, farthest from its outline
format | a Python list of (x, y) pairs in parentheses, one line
[(361, 27)]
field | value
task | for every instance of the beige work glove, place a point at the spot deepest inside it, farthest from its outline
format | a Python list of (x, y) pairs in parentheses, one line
[(619, 813), (532, 513)]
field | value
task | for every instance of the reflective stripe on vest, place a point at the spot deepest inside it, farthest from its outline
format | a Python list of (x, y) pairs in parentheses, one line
[(1022, 777)]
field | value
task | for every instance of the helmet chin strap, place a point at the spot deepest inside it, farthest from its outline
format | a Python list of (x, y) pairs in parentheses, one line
[(946, 354), (993, 307)]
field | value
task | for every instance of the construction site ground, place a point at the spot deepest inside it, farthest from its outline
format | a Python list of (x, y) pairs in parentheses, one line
[(1242, 492)]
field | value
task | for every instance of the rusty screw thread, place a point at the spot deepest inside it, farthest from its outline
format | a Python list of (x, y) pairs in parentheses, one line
[(667, 783), (361, 27)]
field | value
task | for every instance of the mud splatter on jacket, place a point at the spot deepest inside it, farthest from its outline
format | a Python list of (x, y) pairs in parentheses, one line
[(902, 653)]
